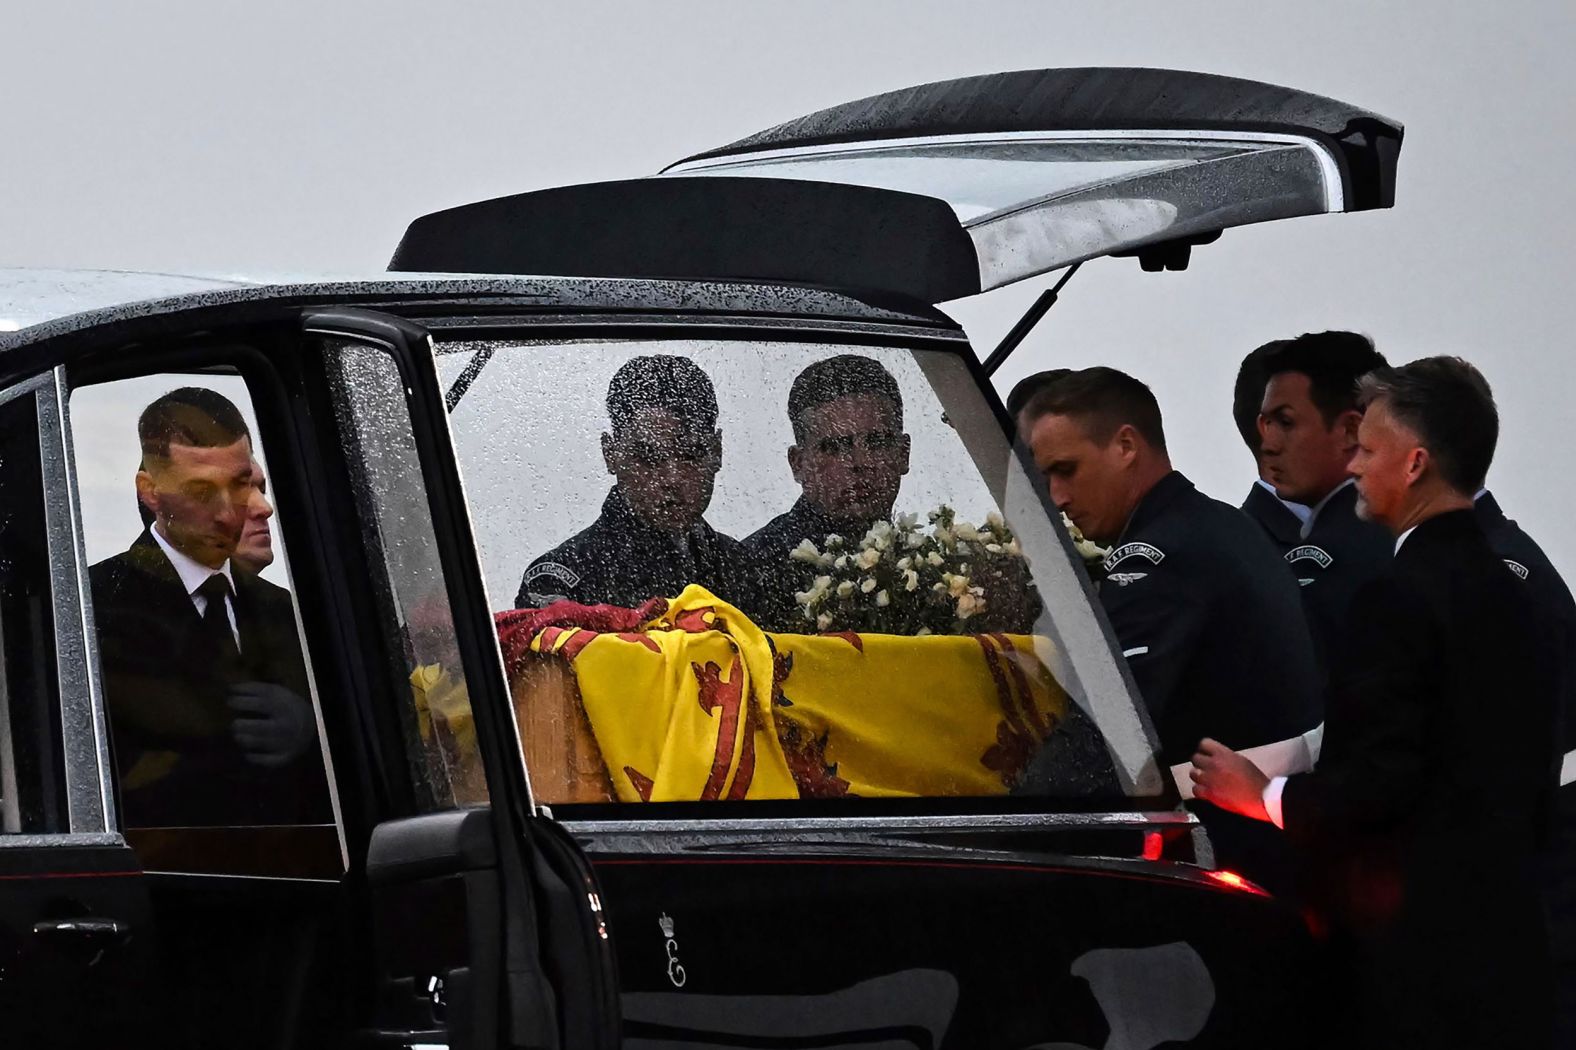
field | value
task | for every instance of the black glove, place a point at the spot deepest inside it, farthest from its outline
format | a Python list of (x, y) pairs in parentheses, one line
[(272, 725)]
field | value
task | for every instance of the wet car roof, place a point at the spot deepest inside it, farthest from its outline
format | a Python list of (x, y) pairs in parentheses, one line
[(37, 304)]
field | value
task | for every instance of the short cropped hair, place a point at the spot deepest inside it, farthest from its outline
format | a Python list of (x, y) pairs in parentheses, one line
[(1247, 397), (673, 384), (1447, 403), (1333, 363), (1030, 385), (191, 415), (846, 375), (1103, 400)]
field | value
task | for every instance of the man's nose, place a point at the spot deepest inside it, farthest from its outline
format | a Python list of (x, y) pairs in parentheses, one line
[(1059, 494)]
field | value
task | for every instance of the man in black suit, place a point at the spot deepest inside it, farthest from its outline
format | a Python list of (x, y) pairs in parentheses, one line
[(1552, 600), (1421, 822), (1308, 425), (205, 681), (1203, 608)]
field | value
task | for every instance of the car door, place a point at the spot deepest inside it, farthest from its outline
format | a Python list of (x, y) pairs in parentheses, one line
[(76, 956), (487, 921)]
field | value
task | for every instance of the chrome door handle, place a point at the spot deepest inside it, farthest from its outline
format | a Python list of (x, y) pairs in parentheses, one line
[(84, 929)]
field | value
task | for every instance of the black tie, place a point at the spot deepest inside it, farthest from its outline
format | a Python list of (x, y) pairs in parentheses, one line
[(216, 622)]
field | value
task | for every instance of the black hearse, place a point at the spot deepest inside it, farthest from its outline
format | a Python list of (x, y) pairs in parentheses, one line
[(486, 873)]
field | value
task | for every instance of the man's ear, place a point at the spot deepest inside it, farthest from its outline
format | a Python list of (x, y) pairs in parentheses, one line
[(1126, 441), (796, 463), (1418, 462), (716, 448), (147, 492), (1347, 423), (905, 445), (608, 453)]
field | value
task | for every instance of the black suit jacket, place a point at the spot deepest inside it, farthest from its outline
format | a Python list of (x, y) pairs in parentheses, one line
[(1422, 820), (167, 693)]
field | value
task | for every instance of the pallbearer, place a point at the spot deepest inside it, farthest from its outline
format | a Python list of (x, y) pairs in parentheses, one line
[(1206, 614), (1308, 420)]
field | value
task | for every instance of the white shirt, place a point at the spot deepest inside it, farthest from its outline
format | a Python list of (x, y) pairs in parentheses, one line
[(194, 574), (1302, 510)]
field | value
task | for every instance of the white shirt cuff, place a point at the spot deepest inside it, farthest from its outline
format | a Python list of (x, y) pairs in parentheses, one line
[(1272, 800)]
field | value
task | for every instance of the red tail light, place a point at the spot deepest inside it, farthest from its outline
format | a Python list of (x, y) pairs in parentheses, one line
[(1154, 845), (1232, 880)]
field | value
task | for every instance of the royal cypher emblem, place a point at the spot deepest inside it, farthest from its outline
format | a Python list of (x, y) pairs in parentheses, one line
[(1122, 579), (1129, 550)]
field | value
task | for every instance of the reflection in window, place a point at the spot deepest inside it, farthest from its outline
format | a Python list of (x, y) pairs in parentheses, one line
[(756, 570), (205, 680)]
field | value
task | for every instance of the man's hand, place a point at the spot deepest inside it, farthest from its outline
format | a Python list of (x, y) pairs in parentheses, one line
[(1223, 777), (272, 725)]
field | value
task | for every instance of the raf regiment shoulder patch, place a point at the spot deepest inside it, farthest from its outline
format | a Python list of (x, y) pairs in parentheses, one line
[(1517, 568), (1308, 552), (552, 568), (1129, 550), (1122, 579)]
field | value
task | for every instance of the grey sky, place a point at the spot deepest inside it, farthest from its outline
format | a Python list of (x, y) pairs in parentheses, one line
[(227, 137)]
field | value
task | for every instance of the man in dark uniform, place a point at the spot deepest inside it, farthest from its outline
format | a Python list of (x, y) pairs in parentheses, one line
[(1206, 614), (1308, 424), (849, 456), (1281, 521), (663, 449), (1420, 825), (204, 679), (1551, 599)]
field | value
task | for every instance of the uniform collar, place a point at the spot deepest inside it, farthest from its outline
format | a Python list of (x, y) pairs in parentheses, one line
[(1488, 508), (193, 574), (1160, 496), (1339, 496), (1440, 526), (1301, 511), (809, 519), (620, 516)]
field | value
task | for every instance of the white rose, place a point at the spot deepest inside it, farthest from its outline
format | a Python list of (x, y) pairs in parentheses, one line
[(869, 584), (834, 540), (910, 580), (914, 540), (965, 531), (805, 552), (994, 520), (904, 563), (968, 605), (841, 562), (957, 586), (823, 621), (1013, 547), (922, 632), (944, 536), (883, 599), (994, 548), (868, 559), (934, 560), (845, 588)]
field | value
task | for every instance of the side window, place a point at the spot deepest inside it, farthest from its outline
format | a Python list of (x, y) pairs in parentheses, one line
[(212, 713), (411, 593), (737, 571), (31, 782)]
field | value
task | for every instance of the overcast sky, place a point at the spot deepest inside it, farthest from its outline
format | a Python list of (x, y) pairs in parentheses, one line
[(235, 138)]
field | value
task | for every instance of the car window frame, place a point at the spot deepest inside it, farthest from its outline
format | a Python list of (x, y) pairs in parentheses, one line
[(87, 789), (1163, 806), (244, 354)]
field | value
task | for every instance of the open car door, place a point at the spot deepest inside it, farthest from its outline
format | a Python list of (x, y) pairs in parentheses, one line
[(488, 926), (950, 189)]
